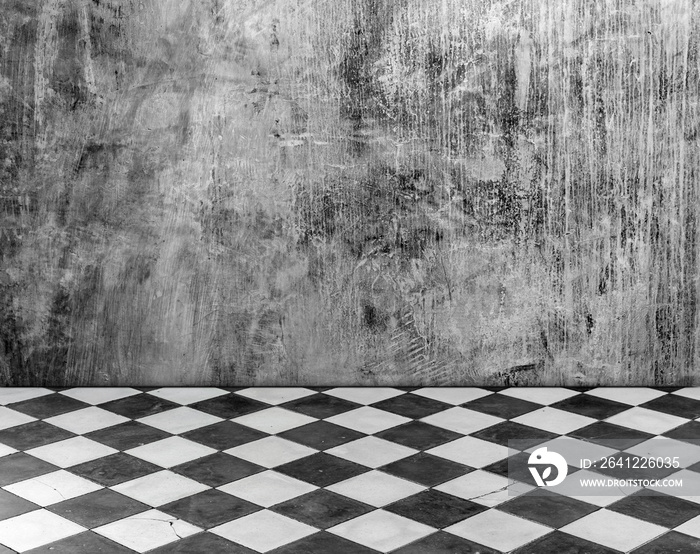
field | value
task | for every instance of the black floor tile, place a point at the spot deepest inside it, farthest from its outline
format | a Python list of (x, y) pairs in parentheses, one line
[(32, 435), (230, 406), (224, 435), (20, 466), (503, 406), (138, 406), (320, 406), (562, 543), (435, 508), (660, 509), (418, 435), (217, 469), (689, 432), (98, 508), (322, 469), (321, 509), (553, 510), (115, 469), (515, 467), (445, 543), (11, 505), (48, 406), (412, 405), (612, 436), (670, 543), (526, 436), (126, 436), (675, 405), (426, 469), (202, 543), (321, 435), (83, 543), (591, 406), (323, 543), (209, 508)]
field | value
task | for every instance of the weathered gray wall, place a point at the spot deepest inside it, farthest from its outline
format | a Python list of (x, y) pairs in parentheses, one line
[(348, 191)]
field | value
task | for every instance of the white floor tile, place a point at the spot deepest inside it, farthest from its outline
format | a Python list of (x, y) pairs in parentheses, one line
[(471, 451), (71, 452), (267, 488), (376, 488), (649, 421), (364, 395), (382, 531), (171, 451), (690, 490), (453, 395), (689, 392), (498, 530), (99, 395), (368, 420), (179, 420), (461, 420), (187, 395), (86, 420), (662, 447), (690, 527), (271, 451), (274, 420), (6, 450), (147, 530), (484, 488), (540, 395), (263, 531), (159, 488), (35, 529), (52, 488), (554, 421), (614, 530), (10, 395), (372, 451), (626, 395), (11, 418), (275, 395)]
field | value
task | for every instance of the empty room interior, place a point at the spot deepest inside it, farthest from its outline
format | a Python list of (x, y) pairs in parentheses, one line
[(349, 276)]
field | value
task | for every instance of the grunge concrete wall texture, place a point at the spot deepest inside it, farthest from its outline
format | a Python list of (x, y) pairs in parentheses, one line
[(349, 192)]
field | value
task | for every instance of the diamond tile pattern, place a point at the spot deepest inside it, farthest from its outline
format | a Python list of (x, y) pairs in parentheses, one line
[(317, 470)]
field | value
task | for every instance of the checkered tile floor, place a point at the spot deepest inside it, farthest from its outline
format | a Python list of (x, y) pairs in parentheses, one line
[(324, 470)]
